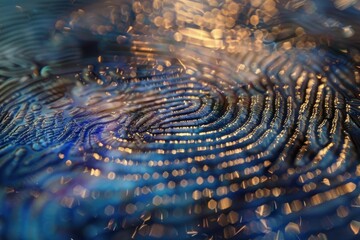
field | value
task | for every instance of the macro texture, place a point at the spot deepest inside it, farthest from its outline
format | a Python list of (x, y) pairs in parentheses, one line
[(188, 119)]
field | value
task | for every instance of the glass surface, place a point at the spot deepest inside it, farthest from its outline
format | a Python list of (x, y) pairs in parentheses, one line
[(186, 119)]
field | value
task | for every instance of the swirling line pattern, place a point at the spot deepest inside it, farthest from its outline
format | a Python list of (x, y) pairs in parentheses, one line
[(194, 136)]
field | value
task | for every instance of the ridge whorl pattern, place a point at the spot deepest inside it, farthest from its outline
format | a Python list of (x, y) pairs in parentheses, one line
[(188, 138)]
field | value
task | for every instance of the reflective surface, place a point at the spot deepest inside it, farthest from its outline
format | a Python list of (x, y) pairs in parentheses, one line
[(179, 119)]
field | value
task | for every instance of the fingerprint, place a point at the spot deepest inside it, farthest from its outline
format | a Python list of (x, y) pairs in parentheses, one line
[(179, 119)]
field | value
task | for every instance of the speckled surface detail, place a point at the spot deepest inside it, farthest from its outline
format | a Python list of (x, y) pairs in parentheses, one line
[(180, 119)]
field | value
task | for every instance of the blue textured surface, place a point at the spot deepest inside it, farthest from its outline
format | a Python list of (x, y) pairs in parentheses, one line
[(131, 132)]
